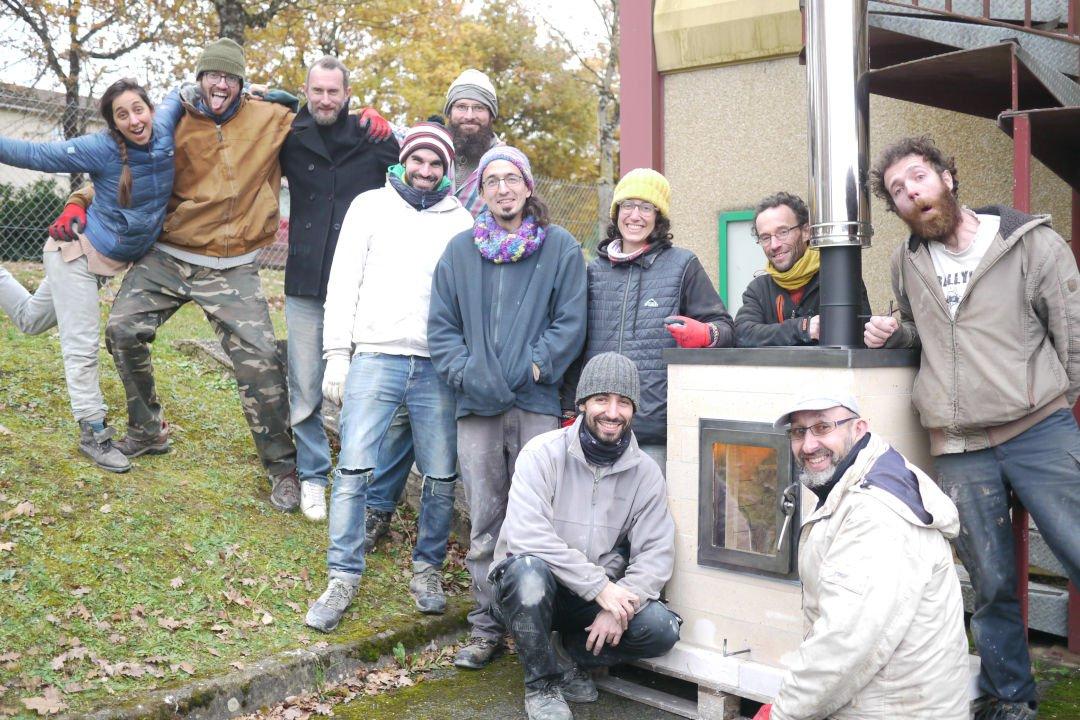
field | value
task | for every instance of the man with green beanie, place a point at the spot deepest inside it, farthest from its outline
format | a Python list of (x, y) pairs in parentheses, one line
[(599, 589), (646, 295)]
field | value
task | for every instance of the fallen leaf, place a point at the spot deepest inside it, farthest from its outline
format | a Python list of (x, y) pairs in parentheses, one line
[(5, 431), (176, 582), (267, 619), (187, 667), (238, 665), (7, 546), (189, 547), (295, 607), (24, 508), (106, 508), (213, 651), (80, 591), (49, 704), (169, 623), (9, 657)]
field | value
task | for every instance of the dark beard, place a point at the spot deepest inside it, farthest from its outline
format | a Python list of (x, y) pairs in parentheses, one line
[(470, 147), (941, 227)]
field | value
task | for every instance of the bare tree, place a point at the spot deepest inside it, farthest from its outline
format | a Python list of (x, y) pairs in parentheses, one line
[(69, 35), (601, 73)]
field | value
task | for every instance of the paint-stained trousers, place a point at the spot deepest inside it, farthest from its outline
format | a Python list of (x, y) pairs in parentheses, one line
[(487, 452), (155, 288), (532, 603)]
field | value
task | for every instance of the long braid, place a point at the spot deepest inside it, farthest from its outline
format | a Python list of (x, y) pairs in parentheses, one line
[(124, 189)]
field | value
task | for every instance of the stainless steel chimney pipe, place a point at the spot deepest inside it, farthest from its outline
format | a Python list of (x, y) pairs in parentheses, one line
[(837, 62)]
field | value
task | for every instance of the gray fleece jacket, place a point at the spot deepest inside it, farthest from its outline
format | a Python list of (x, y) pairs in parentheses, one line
[(574, 516)]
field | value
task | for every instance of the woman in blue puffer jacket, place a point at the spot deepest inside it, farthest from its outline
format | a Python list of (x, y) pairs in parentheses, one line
[(131, 165)]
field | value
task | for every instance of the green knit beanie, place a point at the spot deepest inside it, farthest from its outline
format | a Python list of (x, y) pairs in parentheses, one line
[(223, 55)]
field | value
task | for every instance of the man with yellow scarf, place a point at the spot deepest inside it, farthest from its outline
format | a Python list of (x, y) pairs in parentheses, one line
[(780, 306)]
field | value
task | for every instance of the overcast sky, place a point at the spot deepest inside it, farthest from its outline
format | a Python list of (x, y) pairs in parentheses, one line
[(579, 19)]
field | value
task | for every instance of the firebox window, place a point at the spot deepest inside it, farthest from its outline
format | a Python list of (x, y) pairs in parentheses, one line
[(745, 492)]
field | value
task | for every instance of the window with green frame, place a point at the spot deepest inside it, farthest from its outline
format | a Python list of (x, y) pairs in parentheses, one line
[(740, 258)]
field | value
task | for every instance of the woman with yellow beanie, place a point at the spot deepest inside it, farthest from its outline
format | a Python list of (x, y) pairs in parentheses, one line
[(646, 295)]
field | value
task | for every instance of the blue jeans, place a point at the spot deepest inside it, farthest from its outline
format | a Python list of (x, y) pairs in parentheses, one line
[(377, 388), (304, 317), (1042, 466)]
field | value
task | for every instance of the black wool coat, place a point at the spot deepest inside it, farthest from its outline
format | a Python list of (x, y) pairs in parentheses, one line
[(322, 184)]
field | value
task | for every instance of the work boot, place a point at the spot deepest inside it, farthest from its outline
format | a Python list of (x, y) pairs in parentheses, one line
[(427, 590), (547, 704), (325, 614), (478, 652), (996, 709), (99, 447), (313, 501), (285, 492), (577, 686), (133, 446), (376, 524)]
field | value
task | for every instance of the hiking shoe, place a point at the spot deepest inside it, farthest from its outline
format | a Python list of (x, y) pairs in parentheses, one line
[(99, 447), (376, 525), (547, 704), (427, 590), (133, 446), (325, 614), (285, 492), (478, 652), (313, 501), (577, 686), (996, 709)]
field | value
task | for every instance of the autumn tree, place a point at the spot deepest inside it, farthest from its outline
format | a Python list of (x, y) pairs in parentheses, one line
[(71, 38)]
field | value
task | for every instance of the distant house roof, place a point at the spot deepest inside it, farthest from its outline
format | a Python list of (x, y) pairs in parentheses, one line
[(43, 102)]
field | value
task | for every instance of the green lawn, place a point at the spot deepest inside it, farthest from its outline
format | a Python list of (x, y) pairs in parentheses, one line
[(111, 585)]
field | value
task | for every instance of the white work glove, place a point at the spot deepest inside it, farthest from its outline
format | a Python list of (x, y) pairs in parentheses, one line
[(333, 381)]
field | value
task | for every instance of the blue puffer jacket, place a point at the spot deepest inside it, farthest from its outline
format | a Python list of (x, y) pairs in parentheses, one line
[(123, 234), (488, 323)]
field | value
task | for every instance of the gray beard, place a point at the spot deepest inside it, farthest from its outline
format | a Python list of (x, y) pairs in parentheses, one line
[(816, 479)]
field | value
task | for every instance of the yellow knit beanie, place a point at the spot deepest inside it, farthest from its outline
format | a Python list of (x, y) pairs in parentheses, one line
[(643, 184)]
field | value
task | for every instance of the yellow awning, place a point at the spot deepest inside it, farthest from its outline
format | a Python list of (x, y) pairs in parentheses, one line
[(694, 33)]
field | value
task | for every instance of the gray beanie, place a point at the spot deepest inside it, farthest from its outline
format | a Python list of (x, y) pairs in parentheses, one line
[(472, 85), (609, 372), (222, 55)]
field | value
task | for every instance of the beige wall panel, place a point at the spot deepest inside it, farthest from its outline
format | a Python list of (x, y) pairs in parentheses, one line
[(736, 133)]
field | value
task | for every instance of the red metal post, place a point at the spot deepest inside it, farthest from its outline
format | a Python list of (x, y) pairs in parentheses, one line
[(640, 104), (1027, 13), (1074, 619), (1074, 17), (1022, 202)]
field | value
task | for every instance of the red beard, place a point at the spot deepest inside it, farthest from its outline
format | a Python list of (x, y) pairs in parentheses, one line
[(937, 225)]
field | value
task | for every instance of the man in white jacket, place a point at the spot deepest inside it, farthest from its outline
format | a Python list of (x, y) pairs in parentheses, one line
[(377, 362), (586, 546), (881, 597)]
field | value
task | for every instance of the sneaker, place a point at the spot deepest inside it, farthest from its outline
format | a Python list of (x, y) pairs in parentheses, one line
[(478, 652), (995, 709), (313, 501), (547, 704), (285, 492), (376, 525), (577, 686), (427, 590), (99, 447), (134, 447), (325, 614)]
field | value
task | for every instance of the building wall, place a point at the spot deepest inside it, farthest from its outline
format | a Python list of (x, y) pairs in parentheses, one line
[(736, 133)]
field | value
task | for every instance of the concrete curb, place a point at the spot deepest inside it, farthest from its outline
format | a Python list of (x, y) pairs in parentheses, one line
[(267, 682)]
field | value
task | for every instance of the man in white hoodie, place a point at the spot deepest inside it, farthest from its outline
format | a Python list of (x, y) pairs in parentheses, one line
[(881, 599), (377, 362)]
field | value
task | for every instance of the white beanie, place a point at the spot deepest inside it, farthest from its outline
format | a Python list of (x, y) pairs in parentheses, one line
[(472, 85)]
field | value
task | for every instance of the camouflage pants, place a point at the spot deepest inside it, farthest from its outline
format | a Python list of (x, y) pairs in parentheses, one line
[(155, 288)]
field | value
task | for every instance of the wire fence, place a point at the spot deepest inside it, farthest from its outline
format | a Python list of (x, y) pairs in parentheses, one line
[(30, 200)]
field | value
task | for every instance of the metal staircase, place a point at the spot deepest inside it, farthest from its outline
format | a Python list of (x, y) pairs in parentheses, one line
[(1016, 62)]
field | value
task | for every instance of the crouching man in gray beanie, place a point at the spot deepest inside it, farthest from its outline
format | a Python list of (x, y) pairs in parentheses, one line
[(586, 547)]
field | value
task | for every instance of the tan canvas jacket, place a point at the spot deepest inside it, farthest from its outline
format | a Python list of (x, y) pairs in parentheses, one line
[(1011, 356)]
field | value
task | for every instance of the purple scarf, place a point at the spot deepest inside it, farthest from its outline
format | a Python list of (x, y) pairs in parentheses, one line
[(499, 245)]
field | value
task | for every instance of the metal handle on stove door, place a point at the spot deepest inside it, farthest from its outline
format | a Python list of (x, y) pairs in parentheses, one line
[(787, 505)]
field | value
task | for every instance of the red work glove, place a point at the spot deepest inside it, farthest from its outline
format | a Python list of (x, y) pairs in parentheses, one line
[(688, 332), (63, 228), (764, 713), (374, 124)]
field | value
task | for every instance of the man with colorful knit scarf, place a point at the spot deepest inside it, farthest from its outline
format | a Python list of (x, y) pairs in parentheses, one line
[(646, 295), (375, 341), (780, 306), (507, 318)]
